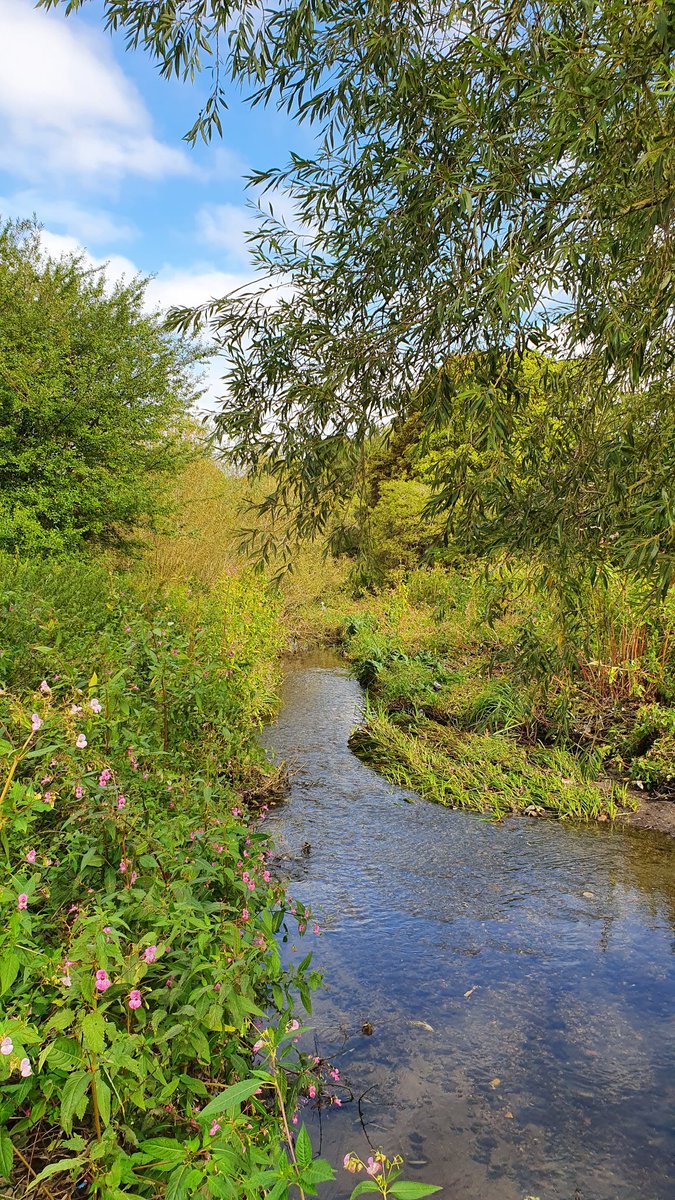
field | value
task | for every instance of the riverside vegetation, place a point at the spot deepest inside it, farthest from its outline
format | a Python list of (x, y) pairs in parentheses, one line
[(147, 1027)]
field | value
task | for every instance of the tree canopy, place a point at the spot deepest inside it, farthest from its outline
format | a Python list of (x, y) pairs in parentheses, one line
[(490, 177), (94, 395)]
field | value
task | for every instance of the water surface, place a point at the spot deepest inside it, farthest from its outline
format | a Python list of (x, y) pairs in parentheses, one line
[(519, 977)]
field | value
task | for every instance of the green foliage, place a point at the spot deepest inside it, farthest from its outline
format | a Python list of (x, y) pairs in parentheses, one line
[(140, 973), (481, 772), (532, 144), (94, 398)]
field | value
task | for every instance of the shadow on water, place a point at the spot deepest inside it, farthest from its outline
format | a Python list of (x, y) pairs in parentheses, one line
[(518, 977)]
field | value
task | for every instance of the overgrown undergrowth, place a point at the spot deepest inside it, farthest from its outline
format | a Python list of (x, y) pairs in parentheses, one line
[(478, 701), (140, 976)]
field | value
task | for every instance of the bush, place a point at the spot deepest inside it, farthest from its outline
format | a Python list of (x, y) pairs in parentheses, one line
[(94, 396)]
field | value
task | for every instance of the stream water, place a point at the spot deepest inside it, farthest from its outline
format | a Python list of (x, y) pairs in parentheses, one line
[(518, 977)]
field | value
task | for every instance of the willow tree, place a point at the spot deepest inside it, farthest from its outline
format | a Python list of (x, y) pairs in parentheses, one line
[(488, 177)]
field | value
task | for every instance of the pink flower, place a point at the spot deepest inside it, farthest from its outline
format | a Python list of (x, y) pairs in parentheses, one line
[(245, 876), (292, 1026), (266, 876), (337, 1100), (311, 1091), (123, 865), (79, 791), (215, 1128), (334, 1074), (258, 1046), (66, 981), (250, 885), (373, 1167), (294, 1118), (31, 856), (22, 900), (244, 914), (80, 741), (105, 777), (121, 802), (95, 705), (316, 928), (150, 954), (133, 877), (45, 688), (102, 983), (36, 722), (135, 998), (6, 1046), (236, 812), (25, 1068)]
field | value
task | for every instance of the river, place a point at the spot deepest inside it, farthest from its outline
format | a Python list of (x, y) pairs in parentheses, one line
[(518, 977)]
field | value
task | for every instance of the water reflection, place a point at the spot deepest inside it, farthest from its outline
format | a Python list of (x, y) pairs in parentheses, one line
[(518, 977)]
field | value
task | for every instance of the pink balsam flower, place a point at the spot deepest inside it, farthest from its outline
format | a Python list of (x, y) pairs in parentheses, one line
[(135, 998), (150, 954), (95, 705), (36, 722), (80, 741), (6, 1046), (25, 1068), (22, 900), (102, 983), (31, 856)]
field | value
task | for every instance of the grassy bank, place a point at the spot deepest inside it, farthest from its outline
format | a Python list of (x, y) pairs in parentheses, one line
[(138, 913), (477, 701)]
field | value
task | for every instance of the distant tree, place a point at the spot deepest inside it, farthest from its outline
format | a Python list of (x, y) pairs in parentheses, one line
[(95, 395)]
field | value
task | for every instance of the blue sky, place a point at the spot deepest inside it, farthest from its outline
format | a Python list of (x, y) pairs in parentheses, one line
[(91, 141)]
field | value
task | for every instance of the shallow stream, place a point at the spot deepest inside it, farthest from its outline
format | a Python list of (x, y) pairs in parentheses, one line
[(519, 977)]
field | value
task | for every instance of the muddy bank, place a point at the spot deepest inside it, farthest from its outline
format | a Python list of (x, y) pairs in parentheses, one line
[(658, 815)]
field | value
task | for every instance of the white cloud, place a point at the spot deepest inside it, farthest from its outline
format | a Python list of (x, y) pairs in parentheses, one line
[(225, 226), (67, 109), (95, 225), (194, 286)]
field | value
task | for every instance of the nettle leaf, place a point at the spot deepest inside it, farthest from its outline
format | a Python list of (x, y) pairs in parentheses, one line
[(93, 1027), (74, 1094), (6, 1154), (9, 969), (303, 1148)]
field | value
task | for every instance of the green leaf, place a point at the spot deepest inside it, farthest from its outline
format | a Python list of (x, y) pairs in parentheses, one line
[(163, 1150), (93, 1027), (74, 1091), (303, 1148), (103, 1095), (412, 1191), (6, 1154), (366, 1185), (9, 969), (65, 1164), (230, 1097), (176, 1188)]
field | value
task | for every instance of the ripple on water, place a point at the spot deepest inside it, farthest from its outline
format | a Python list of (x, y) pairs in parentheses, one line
[(539, 953)]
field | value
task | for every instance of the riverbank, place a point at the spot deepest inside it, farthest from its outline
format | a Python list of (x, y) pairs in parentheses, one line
[(455, 712), (138, 913)]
